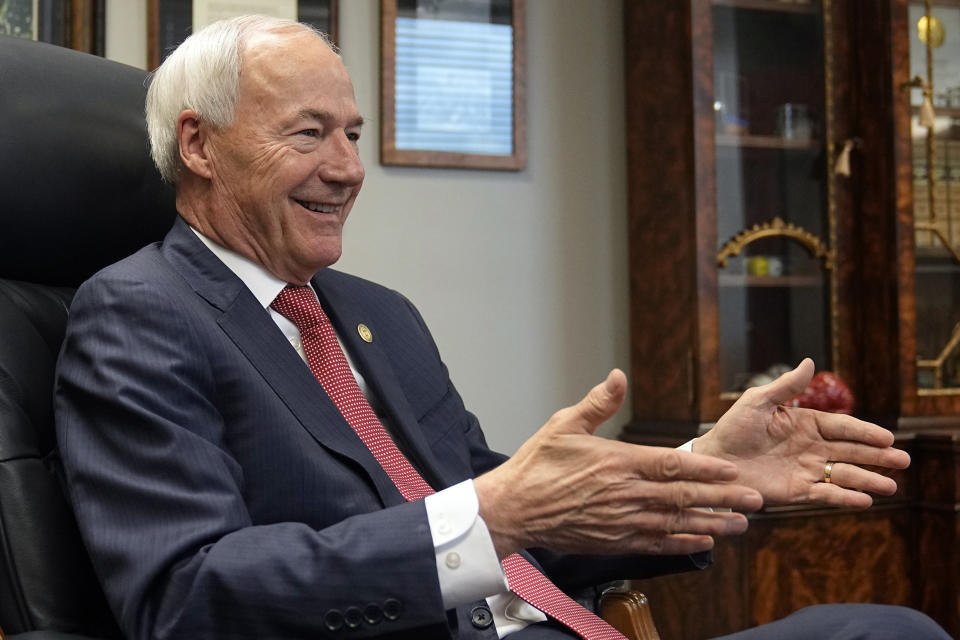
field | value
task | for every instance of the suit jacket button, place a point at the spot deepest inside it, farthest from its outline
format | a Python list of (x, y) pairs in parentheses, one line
[(353, 617), (333, 620), (372, 613), (481, 617), (392, 608)]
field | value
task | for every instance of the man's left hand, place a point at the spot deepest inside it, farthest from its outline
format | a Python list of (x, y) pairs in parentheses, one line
[(783, 451)]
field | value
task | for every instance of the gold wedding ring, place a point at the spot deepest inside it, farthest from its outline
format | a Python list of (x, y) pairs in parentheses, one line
[(827, 470)]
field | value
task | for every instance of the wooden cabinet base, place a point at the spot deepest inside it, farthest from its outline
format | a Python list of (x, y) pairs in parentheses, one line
[(903, 551)]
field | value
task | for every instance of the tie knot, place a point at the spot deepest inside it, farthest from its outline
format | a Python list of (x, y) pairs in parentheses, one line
[(299, 305)]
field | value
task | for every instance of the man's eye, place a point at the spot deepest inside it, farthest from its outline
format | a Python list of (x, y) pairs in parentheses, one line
[(313, 133), (353, 137)]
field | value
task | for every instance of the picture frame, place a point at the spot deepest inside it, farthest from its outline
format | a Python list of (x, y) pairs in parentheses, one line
[(169, 22), (462, 90), (76, 24)]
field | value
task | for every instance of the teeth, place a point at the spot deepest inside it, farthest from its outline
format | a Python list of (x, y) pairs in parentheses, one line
[(318, 207)]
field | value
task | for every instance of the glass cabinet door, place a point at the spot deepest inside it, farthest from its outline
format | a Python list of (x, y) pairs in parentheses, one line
[(773, 216), (935, 136)]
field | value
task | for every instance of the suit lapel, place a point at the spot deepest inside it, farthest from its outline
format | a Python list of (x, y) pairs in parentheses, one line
[(379, 374), (255, 334)]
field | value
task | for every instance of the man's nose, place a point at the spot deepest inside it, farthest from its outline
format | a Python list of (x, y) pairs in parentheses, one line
[(342, 163)]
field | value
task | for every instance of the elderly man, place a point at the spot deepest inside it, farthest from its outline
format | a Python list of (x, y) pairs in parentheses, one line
[(259, 446)]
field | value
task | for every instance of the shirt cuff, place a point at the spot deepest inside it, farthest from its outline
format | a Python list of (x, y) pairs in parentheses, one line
[(467, 564)]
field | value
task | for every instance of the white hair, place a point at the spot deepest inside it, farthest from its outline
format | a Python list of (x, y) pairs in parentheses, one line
[(203, 75)]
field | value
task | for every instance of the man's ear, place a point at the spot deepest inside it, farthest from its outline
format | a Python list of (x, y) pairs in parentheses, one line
[(192, 137)]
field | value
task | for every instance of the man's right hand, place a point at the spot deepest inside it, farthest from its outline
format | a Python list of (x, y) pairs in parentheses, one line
[(568, 490)]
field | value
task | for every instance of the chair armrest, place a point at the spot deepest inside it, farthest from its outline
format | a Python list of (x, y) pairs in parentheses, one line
[(629, 613)]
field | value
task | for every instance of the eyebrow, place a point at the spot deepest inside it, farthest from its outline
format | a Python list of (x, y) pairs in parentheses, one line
[(326, 116)]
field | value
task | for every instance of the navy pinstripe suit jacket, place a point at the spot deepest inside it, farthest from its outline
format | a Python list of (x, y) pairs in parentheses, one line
[(219, 491)]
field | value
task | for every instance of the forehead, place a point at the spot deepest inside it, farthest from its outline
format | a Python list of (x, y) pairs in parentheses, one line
[(293, 70)]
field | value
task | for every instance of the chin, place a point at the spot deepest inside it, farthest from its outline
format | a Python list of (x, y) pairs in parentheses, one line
[(325, 259)]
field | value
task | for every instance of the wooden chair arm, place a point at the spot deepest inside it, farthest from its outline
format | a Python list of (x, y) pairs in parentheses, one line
[(629, 613)]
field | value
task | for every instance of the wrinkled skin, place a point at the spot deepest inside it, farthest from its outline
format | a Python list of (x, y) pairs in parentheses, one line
[(278, 183), (567, 490), (781, 451)]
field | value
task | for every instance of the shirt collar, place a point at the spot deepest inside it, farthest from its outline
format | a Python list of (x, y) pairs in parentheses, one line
[(264, 285)]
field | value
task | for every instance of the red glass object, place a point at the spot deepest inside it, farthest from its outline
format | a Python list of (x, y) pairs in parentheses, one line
[(826, 392)]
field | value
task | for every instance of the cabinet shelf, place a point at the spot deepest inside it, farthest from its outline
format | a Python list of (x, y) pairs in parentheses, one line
[(784, 6), (937, 268), (766, 142), (741, 280), (937, 255)]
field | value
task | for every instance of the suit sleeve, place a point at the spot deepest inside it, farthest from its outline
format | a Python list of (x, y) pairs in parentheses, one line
[(160, 500)]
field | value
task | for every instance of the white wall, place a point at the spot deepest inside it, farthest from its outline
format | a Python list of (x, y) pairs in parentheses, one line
[(522, 276), (126, 39)]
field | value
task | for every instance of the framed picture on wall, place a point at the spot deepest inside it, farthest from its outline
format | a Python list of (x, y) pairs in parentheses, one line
[(169, 22), (77, 24), (452, 84)]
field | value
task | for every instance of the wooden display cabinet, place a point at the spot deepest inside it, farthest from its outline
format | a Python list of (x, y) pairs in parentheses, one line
[(735, 230), (928, 214), (751, 245)]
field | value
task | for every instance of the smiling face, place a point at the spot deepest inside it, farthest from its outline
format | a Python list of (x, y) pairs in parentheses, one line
[(279, 182)]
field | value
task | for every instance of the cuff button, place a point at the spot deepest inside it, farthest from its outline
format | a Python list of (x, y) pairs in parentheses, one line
[(480, 617), (333, 620), (392, 608), (372, 613), (353, 617)]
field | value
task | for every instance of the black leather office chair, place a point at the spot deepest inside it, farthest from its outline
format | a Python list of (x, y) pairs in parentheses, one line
[(77, 192)]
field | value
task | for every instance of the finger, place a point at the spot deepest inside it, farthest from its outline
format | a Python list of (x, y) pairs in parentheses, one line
[(596, 407), (658, 496), (671, 545), (653, 523), (851, 476), (836, 496), (660, 463), (789, 384), (691, 521), (856, 453), (836, 426)]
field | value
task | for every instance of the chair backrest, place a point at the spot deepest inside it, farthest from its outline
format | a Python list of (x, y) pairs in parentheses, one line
[(77, 192)]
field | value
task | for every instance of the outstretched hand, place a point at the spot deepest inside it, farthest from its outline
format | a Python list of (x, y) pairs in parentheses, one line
[(567, 490), (783, 451)]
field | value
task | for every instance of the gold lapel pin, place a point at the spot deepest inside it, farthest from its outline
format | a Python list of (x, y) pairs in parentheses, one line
[(365, 332)]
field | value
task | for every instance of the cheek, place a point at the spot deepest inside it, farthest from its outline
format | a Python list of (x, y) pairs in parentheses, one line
[(243, 182), (269, 169)]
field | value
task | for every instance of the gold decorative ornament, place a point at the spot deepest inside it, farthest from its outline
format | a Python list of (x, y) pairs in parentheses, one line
[(937, 363), (936, 228), (937, 34), (774, 228), (365, 332), (827, 472)]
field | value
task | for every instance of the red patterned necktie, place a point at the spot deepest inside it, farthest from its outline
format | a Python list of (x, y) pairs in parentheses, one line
[(330, 368)]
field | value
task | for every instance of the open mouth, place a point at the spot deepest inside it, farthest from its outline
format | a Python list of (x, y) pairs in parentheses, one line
[(318, 207)]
